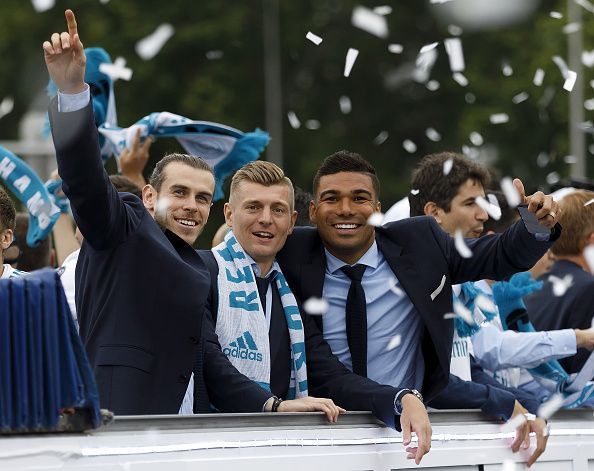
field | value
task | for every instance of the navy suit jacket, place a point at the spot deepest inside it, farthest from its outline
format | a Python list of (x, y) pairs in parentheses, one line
[(326, 375), (141, 291), (573, 310), (421, 254)]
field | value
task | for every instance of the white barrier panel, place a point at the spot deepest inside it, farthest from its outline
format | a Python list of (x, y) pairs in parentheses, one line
[(462, 441)]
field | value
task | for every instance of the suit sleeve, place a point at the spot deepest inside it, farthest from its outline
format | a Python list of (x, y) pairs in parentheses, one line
[(228, 389), (328, 377), (101, 215), (496, 256)]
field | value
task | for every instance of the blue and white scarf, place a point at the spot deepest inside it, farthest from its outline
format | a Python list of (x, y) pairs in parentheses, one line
[(241, 324), (24, 183), (224, 148)]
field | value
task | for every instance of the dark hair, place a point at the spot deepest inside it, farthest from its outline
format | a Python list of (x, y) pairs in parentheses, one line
[(122, 183), (345, 161), (432, 185), (31, 258), (302, 199), (158, 175), (7, 211), (508, 215)]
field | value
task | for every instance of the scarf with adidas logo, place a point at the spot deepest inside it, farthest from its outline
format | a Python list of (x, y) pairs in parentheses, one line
[(241, 324)]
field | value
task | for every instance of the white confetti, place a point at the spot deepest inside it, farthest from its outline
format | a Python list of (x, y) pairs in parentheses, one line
[(460, 245), (376, 219), (117, 70), (493, 211), (556, 14), (570, 80), (432, 135), (588, 203), (588, 58), (460, 78), (547, 409), (499, 118), (553, 178), (589, 104), (476, 139), (514, 423), (538, 77), (447, 166), (395, 48), (381, 138), (453, 47), (463, 313), (409, 146), (432, 85), (562, 65), (471, 152), (424, 63), (589, 255), (394, 342), (571, 28), (351, 57), (367, 20), (428, 47), (415, 192), (293, 120), (449, 315), (586, 5), (43, 5), (570, 159), (511, 193), (149, 47), (382, 10), (529, 417), (162, 207), (313, 38), (439, 288), (393, 284), (469, 98), (214, 54), (508, 465), (455, 30), (560, 285), (315, 306), (6, 106), (506, 69), (520, 97), (345, 104), (485, 304), (542, 160), (312, 124)]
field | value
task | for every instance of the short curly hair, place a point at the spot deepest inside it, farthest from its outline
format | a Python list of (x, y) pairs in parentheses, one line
[(7, 211)]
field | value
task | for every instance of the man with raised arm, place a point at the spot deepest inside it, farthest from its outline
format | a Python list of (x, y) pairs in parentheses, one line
[(141, 287)]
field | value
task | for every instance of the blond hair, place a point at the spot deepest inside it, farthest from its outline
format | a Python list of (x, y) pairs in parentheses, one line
[(263, 173), (577, 221)]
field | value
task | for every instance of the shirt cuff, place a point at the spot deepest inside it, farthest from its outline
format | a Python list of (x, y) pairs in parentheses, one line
[(397, 400), (564, 341), (68, 102)]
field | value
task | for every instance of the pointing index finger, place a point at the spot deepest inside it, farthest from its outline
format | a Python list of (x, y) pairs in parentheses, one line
[(71, 20)]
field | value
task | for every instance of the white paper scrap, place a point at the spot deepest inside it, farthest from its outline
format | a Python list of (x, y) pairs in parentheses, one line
[(589, 256), (460, 78), (313, 38), (571, 28), (453, 47), (560, 285), (395, 48), (345, 104), (293, 120), (6, 106), (476, 139), (315, 306), (589, 104), (432, 85), (493, 211), (558, 60), (538, 77), (499, 118), (428, 47), (381, 138), (547, 409), (506, 69), (588, 203), (485, 304), (382, 10), (376, 219), (367, 20), (447, 166), (520, 97), (556, 14), (415, 192), (588, 58), (117, 70), (394, 342), (351, 57), (214, 54), (511, 193), (455, 30), (570, 80), (432, 135), (514, 423), (439, 288), (409, 146), (460, 245), (312, 124), (43, 5), (463, 313), (149, 47)]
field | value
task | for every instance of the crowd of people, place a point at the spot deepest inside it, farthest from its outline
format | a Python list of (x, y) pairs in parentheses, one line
[(170, 329)]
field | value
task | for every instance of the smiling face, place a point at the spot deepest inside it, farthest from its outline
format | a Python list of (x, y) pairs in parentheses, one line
[(183, 201), (464, 214), (261, 218), (343, 203)]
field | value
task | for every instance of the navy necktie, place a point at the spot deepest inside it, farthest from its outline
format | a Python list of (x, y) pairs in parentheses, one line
[(262, 284), (356, 319)]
